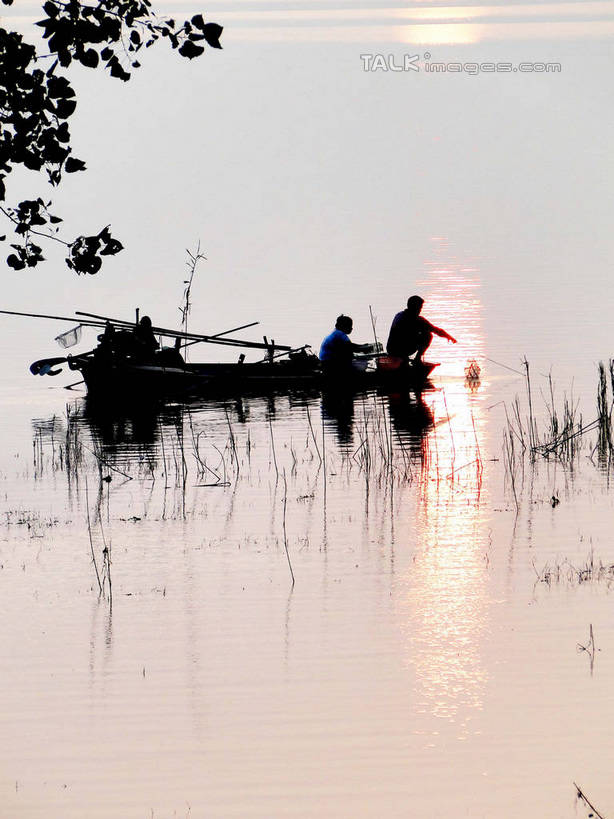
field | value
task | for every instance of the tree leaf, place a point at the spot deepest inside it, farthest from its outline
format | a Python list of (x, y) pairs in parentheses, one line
[(73, 165), (190, 50), (15, 262), (50, 9), (212, 32), (90, 58), (36, 99)]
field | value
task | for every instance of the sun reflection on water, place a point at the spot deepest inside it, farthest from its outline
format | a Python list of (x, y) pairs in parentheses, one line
[(444, 605)]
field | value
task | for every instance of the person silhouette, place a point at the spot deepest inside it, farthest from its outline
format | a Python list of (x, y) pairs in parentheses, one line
[(411, 333), (337, 351), (146, 342)]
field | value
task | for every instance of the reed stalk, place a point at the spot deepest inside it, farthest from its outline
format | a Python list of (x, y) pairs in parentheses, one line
[(285, 503), (89, 531), (273, 449), (581, 795), (313, 434)]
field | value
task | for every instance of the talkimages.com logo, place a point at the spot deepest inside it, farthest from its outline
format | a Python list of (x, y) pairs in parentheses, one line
[(414, 62)]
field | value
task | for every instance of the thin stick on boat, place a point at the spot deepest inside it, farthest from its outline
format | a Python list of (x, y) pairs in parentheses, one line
[(178, 332), (225, 333), (216, 338), (43, 315)]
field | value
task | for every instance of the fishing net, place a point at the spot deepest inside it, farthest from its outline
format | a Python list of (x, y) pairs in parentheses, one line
[(70, 337)]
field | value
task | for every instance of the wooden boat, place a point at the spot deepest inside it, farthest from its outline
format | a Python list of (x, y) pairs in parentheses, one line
[(159, 379), (118, 368)]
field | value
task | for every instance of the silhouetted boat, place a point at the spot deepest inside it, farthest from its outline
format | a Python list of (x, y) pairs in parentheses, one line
[(127, 379), (120, 367)]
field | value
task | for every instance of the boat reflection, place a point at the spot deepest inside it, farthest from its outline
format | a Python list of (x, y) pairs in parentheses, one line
[(338, 414), (126, 426), (412, 419), (406, 412)]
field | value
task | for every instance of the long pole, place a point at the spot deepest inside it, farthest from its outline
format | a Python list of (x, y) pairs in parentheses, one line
[(213, 339), (56, 318), (216, 339), (180, 333)]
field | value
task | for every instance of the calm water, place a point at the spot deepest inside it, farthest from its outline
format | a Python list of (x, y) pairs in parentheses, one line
[(417, 667), (426, 661)]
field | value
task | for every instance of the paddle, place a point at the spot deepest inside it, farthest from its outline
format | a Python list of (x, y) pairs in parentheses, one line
[(43, 365)]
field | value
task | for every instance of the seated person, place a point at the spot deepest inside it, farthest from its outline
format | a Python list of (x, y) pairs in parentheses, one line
[(146, 342), (337, 351), (105, 352), (411, 333), (171, 356)]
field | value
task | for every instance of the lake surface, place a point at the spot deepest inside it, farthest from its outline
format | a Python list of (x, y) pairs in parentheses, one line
[(428, 659), (425, 661)]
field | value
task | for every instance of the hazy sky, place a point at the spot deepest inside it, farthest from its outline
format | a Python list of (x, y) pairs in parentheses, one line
[(317, 187)]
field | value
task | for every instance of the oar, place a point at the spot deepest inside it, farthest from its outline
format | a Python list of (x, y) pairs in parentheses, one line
[(43, 365)]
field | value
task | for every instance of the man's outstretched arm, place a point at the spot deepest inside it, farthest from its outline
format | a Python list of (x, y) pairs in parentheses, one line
[(440, 332)]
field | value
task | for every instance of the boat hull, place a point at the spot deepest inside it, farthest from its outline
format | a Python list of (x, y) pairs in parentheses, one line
[(214, 379)]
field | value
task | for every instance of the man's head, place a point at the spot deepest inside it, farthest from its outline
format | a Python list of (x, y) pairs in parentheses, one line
[(344, 323), (414, 305), (145, 322)]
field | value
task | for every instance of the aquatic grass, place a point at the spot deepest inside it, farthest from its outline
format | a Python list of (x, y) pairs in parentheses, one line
[(89, 531), (604, 419), (179, 449), (186, 304), (273, 449), (581, 795), (564, 571), (233, 445), (313, 433), (531, 420), (285, 534), (589, 648), (564, 431), (106, 566), (224, 481)]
